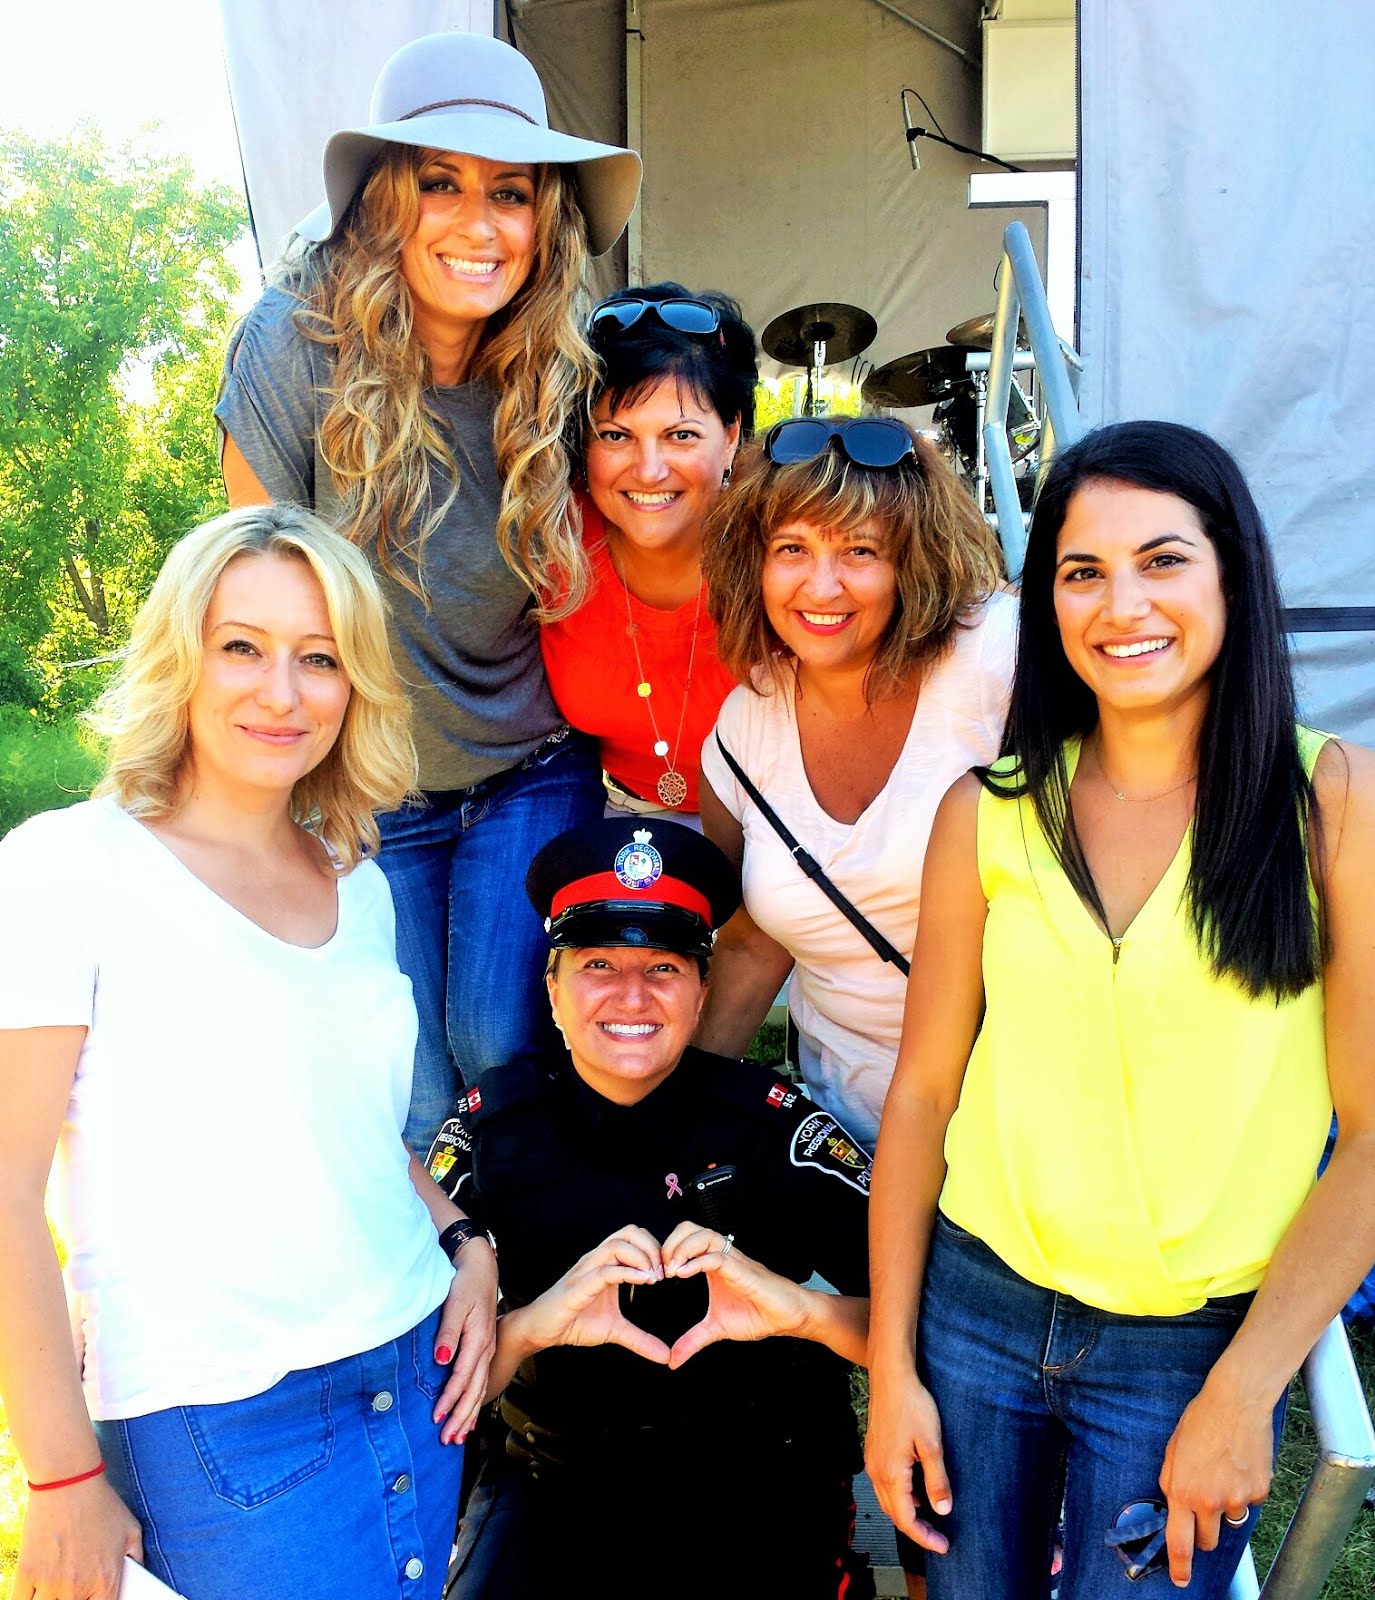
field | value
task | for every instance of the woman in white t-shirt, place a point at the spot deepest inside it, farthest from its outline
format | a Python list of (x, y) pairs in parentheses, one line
[(855, 591), (200, 1008)]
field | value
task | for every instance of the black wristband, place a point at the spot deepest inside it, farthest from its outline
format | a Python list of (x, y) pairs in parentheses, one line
[(457, 1234)]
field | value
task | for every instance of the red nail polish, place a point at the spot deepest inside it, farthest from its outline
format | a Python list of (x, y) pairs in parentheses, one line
[(443, 1355)]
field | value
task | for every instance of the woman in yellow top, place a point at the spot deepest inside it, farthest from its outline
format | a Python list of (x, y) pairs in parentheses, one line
[(1140, 984)]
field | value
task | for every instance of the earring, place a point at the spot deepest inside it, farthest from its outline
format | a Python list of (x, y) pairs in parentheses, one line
[(726, 475)]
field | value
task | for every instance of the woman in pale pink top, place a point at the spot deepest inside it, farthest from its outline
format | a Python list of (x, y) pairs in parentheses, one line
[(855, 591)]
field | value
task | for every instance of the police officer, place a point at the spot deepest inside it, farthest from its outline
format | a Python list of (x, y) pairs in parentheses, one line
[(676, 1418)]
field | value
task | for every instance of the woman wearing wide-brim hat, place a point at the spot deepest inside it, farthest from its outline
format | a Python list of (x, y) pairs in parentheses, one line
[(412, 374)]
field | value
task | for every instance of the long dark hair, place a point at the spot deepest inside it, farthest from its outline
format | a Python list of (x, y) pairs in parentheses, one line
[(1248, 886)]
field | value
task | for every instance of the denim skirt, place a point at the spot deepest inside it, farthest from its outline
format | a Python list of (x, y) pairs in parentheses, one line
[(331, 1483)]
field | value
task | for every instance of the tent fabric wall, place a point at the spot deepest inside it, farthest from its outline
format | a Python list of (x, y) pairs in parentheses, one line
[(775, 164), (1227, 276), (578, 49)]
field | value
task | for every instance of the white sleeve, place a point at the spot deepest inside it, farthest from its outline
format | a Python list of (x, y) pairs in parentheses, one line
[(997, 662), (47, 964), (370, 884), (732, 723)]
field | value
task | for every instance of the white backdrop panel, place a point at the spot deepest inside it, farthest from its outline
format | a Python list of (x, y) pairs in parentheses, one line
[(1227, 274)]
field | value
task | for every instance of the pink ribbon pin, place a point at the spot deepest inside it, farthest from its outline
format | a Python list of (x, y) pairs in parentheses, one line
[(674, 1187)]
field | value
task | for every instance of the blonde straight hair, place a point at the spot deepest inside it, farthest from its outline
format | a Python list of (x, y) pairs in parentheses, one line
[(379, 437), (143, 714)]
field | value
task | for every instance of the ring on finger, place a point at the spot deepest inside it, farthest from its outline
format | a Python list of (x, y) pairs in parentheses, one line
[(1237, 1522), (728, 1246)]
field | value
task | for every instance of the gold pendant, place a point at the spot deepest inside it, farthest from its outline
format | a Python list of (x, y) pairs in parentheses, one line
[(672, 788)]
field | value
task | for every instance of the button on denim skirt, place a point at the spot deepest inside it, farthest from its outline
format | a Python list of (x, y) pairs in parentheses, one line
[(332, 1482)]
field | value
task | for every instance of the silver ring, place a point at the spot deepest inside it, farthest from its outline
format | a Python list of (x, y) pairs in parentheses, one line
[(1237, 1522), (728, 1246)]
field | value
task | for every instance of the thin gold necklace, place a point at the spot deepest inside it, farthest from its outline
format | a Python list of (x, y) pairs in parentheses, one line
[(671, 787), (1138, 799)]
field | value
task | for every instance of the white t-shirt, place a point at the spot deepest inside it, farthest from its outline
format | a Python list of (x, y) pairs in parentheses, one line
[(230, 1179), (846, 1002)]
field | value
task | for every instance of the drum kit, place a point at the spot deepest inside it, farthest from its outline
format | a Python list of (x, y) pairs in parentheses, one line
[(952, 378)]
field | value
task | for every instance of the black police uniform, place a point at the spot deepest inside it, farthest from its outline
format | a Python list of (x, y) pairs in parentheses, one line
[(607, 1474)]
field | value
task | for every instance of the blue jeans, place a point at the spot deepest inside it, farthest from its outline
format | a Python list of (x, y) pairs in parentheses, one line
[(1041, 1395), (466, 936), (333, 1482)]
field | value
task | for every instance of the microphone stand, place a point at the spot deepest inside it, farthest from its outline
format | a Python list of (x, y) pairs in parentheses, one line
[(913, 134)]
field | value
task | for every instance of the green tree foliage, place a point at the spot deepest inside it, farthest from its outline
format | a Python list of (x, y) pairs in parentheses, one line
[(114, 308)]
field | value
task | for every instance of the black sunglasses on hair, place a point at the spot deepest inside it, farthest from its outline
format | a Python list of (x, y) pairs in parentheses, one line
[(867, 441), (683, 316)]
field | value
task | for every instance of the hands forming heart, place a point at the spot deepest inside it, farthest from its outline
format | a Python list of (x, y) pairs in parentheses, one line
[(745, 1299)]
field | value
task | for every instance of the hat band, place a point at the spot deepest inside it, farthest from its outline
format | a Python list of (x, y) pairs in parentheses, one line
[(444, 105), (607, 886)]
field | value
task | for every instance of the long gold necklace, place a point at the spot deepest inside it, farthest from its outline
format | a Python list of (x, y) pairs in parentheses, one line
[(671, 787)]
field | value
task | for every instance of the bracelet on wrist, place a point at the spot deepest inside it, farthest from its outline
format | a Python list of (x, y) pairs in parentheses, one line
[(66, 1483), (460, 1233)]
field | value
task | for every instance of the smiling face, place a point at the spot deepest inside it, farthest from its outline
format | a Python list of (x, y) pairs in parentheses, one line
[(654, 468), (271, 695), (829, 595), (1138, 597), (626, 1015), (473, 246)]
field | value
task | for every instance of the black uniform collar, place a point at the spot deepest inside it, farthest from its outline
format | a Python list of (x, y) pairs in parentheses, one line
[(657, 1115)]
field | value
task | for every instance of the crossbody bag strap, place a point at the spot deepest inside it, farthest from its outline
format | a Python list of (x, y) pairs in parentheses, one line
[(812, 867)]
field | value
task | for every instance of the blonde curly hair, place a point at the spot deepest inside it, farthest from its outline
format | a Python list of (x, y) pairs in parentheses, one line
[(380, 438), (144, 712)]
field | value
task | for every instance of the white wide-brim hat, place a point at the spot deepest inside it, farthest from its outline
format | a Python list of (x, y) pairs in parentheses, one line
[(475, 96)]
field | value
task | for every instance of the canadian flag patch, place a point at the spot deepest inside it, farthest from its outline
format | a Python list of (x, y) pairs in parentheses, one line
[(472, 1101)]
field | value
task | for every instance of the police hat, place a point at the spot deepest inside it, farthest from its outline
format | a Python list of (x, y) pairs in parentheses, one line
[(637, 881)]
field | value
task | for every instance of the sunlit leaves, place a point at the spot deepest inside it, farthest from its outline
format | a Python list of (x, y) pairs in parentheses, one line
[(112, 267)]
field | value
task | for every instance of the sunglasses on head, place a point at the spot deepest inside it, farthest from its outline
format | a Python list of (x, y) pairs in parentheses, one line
[(866, 441), (614, 317)]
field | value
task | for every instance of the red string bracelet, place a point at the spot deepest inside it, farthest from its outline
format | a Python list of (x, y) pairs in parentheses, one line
[(66, 1483)]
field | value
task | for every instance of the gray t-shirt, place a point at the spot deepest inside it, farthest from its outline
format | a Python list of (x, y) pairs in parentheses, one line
[(471, 660)]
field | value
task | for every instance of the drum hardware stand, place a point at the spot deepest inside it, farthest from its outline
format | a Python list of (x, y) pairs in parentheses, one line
[(977, 363)]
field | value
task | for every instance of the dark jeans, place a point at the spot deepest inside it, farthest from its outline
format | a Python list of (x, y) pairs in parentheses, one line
[(1039, 1393), (466, 936)]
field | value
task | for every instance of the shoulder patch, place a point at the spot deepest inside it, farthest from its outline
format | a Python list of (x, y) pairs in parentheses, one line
[(757, 1088), (821, 1142), (501, 1089), (451, 1155)]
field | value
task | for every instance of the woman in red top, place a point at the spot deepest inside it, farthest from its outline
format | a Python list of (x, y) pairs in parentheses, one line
[(636, 665)]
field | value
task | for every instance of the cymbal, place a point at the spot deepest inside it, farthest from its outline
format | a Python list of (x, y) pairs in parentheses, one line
[(845, 330), (920, 378), (977, 333)]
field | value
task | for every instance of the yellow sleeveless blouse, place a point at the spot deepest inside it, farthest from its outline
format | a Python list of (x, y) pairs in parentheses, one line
[(1132, 1130)]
